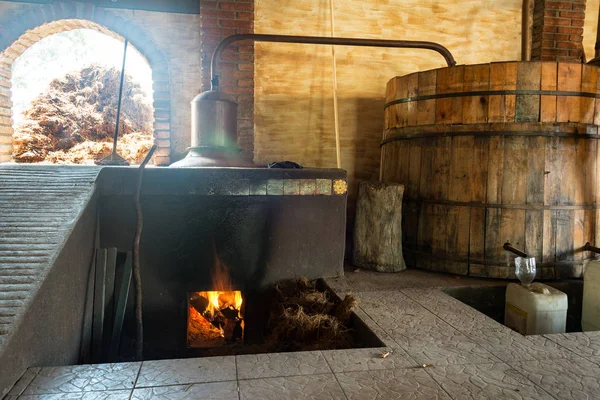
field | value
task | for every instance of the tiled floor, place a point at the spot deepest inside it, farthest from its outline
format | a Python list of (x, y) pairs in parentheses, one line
[(437, 348)]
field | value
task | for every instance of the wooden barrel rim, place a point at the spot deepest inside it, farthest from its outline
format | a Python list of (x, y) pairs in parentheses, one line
[(440, 257), (488, 134), (475, 204), (493, 93)]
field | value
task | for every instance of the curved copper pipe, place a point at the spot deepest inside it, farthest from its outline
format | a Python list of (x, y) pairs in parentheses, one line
[(334, 41)]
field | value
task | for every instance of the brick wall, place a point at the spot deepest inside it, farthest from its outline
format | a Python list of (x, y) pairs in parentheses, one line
[(219, 19), (558, 30), (164, 39)]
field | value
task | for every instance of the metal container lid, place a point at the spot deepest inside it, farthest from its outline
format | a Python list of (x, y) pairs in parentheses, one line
[(213, 95)]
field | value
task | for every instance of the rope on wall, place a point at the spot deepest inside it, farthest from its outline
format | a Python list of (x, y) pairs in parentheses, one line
[(336, 117)]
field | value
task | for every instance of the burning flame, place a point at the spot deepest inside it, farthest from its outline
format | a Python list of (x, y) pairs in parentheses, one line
[(220, 308), (220, 300)]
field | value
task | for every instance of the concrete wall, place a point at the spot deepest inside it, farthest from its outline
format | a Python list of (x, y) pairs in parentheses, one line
[(50, 331)]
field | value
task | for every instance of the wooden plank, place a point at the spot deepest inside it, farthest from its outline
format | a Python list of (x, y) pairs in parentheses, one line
[(411, 107), (479, 177), (578, 234), (552, 173), (496, 103), (459, 188), (534, 234), (536, 162), (393, 118), (440, 229), (386, 110), (512, 229), (549, 82), (425, 229), (529, 77), (410, 223), (591, 172), (493, 240), (479, 169), (457, 239), (427, 168), (402, 148), (426, 108), (477, 234), (120, 307), (514, 187), (99, 300), (571, 181), (401, 108), (569, 79), (476, 78), (441, 168), (597, 105), (589, 82), (549, 250), (510, 83), (565, 221), (414, 174), (495, 170), (449, 110), (584, 178)]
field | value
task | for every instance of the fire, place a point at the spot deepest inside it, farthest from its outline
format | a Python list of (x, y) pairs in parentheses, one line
[(215, 314)]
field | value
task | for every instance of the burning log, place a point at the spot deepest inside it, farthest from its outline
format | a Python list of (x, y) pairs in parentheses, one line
[(215, 318)]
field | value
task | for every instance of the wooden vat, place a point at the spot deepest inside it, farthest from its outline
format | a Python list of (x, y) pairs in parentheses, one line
[(493, 153)]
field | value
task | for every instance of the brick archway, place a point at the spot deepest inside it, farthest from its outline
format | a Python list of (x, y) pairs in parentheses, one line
[(26, 28)]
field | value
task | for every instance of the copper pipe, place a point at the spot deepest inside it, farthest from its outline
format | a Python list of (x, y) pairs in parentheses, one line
[(525, 31), (517, 252), (333, 41), (596, 60), (593, 249)]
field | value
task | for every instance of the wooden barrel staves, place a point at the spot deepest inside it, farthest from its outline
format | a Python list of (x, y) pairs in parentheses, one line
[(493, 153)]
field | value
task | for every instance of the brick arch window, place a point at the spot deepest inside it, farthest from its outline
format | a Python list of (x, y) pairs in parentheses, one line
[(28, 27)]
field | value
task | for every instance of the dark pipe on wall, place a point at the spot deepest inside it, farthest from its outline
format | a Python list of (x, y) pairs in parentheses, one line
[(334, 41)]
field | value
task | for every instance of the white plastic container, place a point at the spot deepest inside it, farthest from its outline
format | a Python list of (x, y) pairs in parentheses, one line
[(590, 311), (535, 309)]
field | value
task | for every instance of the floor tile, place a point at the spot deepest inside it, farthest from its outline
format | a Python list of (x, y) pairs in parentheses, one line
[(581, 343), (189, 370), (392, 309), (198, 391), (254, 366), (312, 387), (102, 395), (456, 313), (572, 378), (412, 384), (376, 329), (24, 381), (453, 349), (84, 378), (512, 346), (350, 360), (486, 381), (340, 286)]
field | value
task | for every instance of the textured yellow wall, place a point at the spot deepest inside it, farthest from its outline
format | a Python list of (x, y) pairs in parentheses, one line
[(589, 30), (293, 92)]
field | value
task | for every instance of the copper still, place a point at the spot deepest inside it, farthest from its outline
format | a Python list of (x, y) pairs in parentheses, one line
[(214, 114)]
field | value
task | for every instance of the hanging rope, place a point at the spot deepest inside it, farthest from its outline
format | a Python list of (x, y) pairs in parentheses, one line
[(336, 117)]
